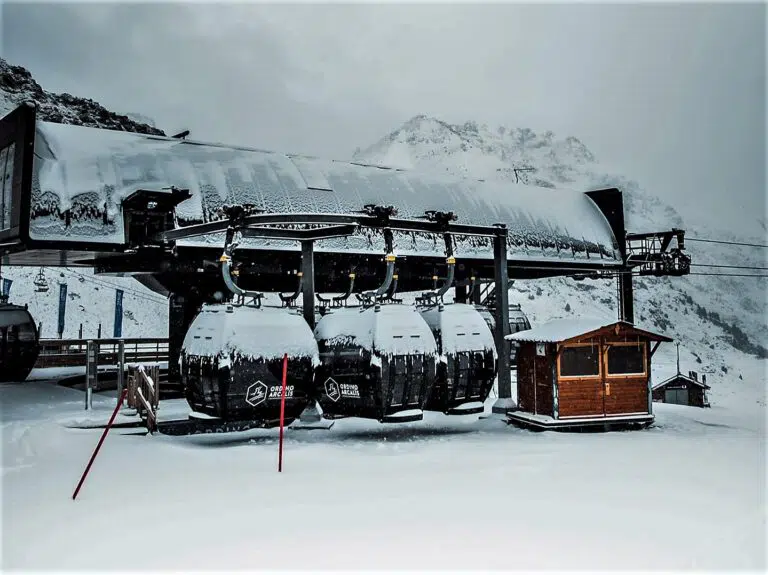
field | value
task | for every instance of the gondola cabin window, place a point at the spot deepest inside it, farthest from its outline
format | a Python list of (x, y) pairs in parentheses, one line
[(625, 358), (579, 361)]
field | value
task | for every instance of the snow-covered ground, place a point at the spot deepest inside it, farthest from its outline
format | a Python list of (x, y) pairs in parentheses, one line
[(445, 493)]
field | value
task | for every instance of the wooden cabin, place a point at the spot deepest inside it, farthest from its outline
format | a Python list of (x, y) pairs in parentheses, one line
[(575, 373), (683, 389)]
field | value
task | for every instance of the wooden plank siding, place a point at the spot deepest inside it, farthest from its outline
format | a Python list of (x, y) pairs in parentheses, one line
[(580, 396), (534, 380), (525, 355), (543, 390), (605, 393)]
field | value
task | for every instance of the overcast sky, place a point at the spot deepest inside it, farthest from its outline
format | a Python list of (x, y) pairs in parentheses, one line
[(672, 95)]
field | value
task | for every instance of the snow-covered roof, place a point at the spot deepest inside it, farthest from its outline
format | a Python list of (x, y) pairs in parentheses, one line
[(559, 330), (683, 377), (461, 328), (389, 329), (251, 332), (95, 167)]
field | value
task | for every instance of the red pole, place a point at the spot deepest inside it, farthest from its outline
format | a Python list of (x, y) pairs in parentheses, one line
[(103, 436), (282, 412)]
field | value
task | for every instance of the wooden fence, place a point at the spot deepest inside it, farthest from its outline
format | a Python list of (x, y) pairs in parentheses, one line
[(143, 393), (72, 352)]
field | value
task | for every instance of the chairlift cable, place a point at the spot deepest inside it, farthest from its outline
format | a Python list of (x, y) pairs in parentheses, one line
[(687, 239)]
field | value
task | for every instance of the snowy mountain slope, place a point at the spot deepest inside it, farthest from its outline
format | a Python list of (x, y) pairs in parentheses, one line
[(90, 302), (719, 321)]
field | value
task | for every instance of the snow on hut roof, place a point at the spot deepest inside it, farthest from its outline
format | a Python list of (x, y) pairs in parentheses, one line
[(389, 329), (98, 167), (251, 332), (462, 328), (559, 330), (681, 376)]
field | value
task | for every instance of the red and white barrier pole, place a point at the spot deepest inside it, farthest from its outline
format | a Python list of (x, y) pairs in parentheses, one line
[(282, 413), (103, 436)]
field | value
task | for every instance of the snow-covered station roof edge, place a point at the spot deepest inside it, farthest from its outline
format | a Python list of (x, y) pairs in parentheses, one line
[(98, 167), (560, 330)]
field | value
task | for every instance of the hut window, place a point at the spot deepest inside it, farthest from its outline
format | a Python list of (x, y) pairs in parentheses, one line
[(626, 359), (581, 361)]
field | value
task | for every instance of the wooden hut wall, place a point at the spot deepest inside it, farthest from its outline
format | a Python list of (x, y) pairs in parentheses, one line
[(579, 379), (535, 390), (604, 374), (626, 377)]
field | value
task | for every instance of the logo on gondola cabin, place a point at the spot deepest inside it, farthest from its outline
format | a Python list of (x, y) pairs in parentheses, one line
[(256, 393), (332, 389)]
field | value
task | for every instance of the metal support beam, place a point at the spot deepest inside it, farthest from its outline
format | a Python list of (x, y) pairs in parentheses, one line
[(504, 402), (308, 281), (326, 219), (120, 369), (626, 298), (91, 371), (323, 233)]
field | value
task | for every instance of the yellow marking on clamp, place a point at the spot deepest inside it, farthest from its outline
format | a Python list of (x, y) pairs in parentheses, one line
[(451, 260), (390, 257), (224, 258)]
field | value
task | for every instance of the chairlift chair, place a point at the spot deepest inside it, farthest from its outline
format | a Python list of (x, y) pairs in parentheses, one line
[(41, 285)]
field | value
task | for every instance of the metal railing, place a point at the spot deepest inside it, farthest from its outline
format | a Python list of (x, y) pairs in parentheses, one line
[(72, 352)]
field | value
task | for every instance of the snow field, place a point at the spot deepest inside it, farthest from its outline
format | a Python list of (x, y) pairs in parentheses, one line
[(445, 493)]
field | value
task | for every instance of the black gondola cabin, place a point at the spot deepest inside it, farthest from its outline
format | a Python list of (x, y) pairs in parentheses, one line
[(232, 363), (375, 363), (467, 360), (19, 342)]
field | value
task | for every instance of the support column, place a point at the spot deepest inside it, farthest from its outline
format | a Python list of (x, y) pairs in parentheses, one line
[(626, 297), (308, 281), (501, 313), (311, 414)]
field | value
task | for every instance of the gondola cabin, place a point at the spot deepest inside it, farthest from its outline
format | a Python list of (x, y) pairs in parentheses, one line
[(375, 363), (19, 342), (232, 363), (518, 321), (467, 361), (575, 373)]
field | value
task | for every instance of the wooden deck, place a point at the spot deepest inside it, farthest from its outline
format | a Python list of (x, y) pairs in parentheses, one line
[(597, 423)]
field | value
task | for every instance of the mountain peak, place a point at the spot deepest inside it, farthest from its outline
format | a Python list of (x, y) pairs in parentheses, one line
[(474, 149)]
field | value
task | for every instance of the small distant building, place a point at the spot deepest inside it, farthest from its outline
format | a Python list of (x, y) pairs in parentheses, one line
[(585, 372), (683, 389)]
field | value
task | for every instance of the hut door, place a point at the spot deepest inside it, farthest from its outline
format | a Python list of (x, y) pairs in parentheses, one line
[(677, 396)]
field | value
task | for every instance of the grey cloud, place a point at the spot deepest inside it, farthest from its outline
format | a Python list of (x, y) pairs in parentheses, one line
[(672, 95)]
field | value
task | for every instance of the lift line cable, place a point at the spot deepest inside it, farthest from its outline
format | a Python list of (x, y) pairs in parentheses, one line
[(733, 267), (730, 275), (103, 283), (687, 239), (127, 290)]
